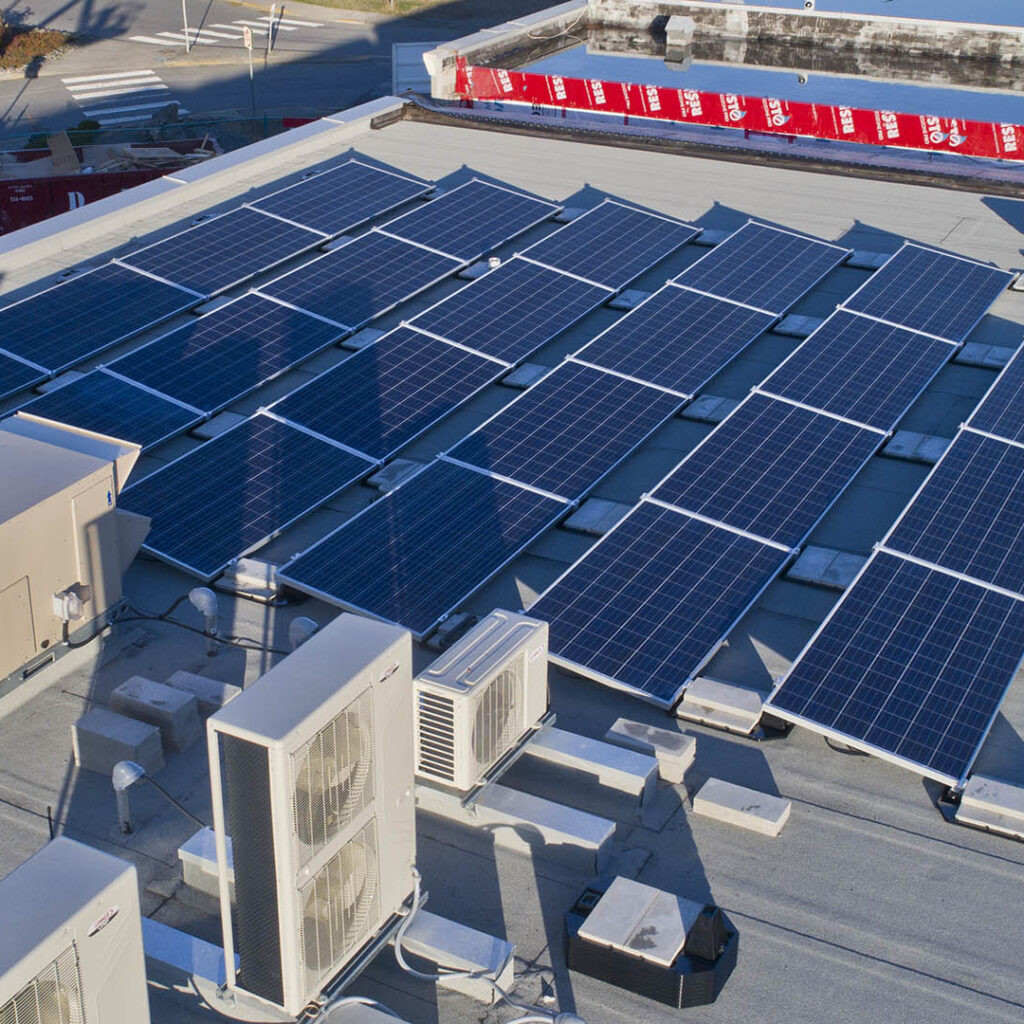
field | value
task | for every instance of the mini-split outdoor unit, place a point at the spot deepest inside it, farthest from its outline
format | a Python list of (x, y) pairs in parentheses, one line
[(311, 771), (479, 698), (71, 940)]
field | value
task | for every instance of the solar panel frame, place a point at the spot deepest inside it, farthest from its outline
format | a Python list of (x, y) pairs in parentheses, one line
[(693, 610), (827, 368), (549, 250), (103, 327), (408, 491), (619, 347), (18, 374), (473, 316), (435, 267), (994, 413), (81, 403), (330, 225), (432, 222), (354, 467), (185, 258), (881, 563), (936, 320), (706, 274)]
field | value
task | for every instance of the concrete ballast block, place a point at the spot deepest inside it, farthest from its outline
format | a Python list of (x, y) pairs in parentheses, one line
[(746, 808), (722, 705), (101, 738), (673, 750), (174, 712), (210, 694)]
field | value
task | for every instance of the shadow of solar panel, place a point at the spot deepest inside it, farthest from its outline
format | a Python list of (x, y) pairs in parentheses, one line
[(359, 281), (612, 244), (764, 267), (859, 368), (912, 664), (513, 310), (1001, 411), (387, 394), (969, 514), (416, 554), (472, 219), (232, 494), (771, 468), (569, 430), (677, 338), (88, 313), (218, 358), (16, 376), (647, 606), (930, 291), (343, 197), (224, 250), (107, 405)]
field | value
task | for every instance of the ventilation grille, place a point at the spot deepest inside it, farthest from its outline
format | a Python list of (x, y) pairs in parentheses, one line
[(496, 716), (53, 996), (340, 906), (436, 728), (332, 777)]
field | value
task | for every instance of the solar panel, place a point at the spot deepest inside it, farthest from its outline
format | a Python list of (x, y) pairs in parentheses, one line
[(88, 313), (513, 310), (911, 664), (676, 338), (359, 281), (223, 251), (930, 291), (1001, 411), (472, 219), (413, 556), (612, 243), (969, 514), (108, 405), (859, 368), (343, 197), (771, 468), (764, 267), (232, 494), (16, 375), (567, 431), (650, 603), (218, 358), (387, 394)]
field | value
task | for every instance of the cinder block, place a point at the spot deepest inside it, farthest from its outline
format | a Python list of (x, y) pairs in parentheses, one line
[(172, 711), (993, 805), (101, 738), (198, 857), (210, 694), (721, 705), (746, 808), (220, 424), (673, 750), (596, 516)]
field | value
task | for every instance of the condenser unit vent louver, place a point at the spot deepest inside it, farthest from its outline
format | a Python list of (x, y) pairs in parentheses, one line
[(53, 996), (478, 699)]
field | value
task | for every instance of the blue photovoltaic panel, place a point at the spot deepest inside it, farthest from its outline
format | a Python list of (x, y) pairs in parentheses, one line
[(415, 554), (912, 663), (472, 219), (568, 430), (359, 281), (382, 397), (677, 339), (612, 244), (860, 368), (930, 291), (649, 604), (108, 405), (15, 375), (343, 197), (88, 313), (764, 267), (771, 468), (1001, 411), (223, 251), (969, 515), (512, 311), (224, 355), (227, 497)]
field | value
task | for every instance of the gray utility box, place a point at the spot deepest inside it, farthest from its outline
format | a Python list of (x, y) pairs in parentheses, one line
[(101, 738), (173, 712)]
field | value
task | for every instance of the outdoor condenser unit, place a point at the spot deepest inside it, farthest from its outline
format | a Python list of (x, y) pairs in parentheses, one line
[(479, 698), (311, 770), (71, 940)]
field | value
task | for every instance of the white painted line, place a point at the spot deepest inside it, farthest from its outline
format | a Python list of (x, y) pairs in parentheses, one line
[(99, 111), (180, 37), (104, 78), (262, 24), (113, 93), (122, 84), (238, 34), (292, 21), (147, 39), (255, 27), (218, 35)]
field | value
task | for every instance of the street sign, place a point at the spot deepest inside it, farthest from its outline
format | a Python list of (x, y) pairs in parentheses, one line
[(247, 37)]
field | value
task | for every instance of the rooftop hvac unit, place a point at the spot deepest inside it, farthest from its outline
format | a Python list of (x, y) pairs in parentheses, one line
[(479, 698), (71, 940), (311, 770)]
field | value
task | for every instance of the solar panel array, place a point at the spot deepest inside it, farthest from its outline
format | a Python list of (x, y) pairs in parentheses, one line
[(17, 375), (1001, 411)]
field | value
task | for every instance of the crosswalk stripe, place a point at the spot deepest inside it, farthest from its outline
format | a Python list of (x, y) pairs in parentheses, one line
[(217, 35), (256, 31), (180, 37), (121, 83), (262, 24), (233, 28), (107, 77), (100, 111), (112, 93), (292, 21), (148, 39)]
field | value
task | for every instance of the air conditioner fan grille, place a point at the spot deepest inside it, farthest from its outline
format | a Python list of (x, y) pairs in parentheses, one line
[(53, 996)]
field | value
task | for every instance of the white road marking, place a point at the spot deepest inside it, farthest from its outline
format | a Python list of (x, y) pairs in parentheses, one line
[(292, 21), (108, 77)]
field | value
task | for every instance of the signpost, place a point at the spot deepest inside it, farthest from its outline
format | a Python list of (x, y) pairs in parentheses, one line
[(247, 40), (184, 18)]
